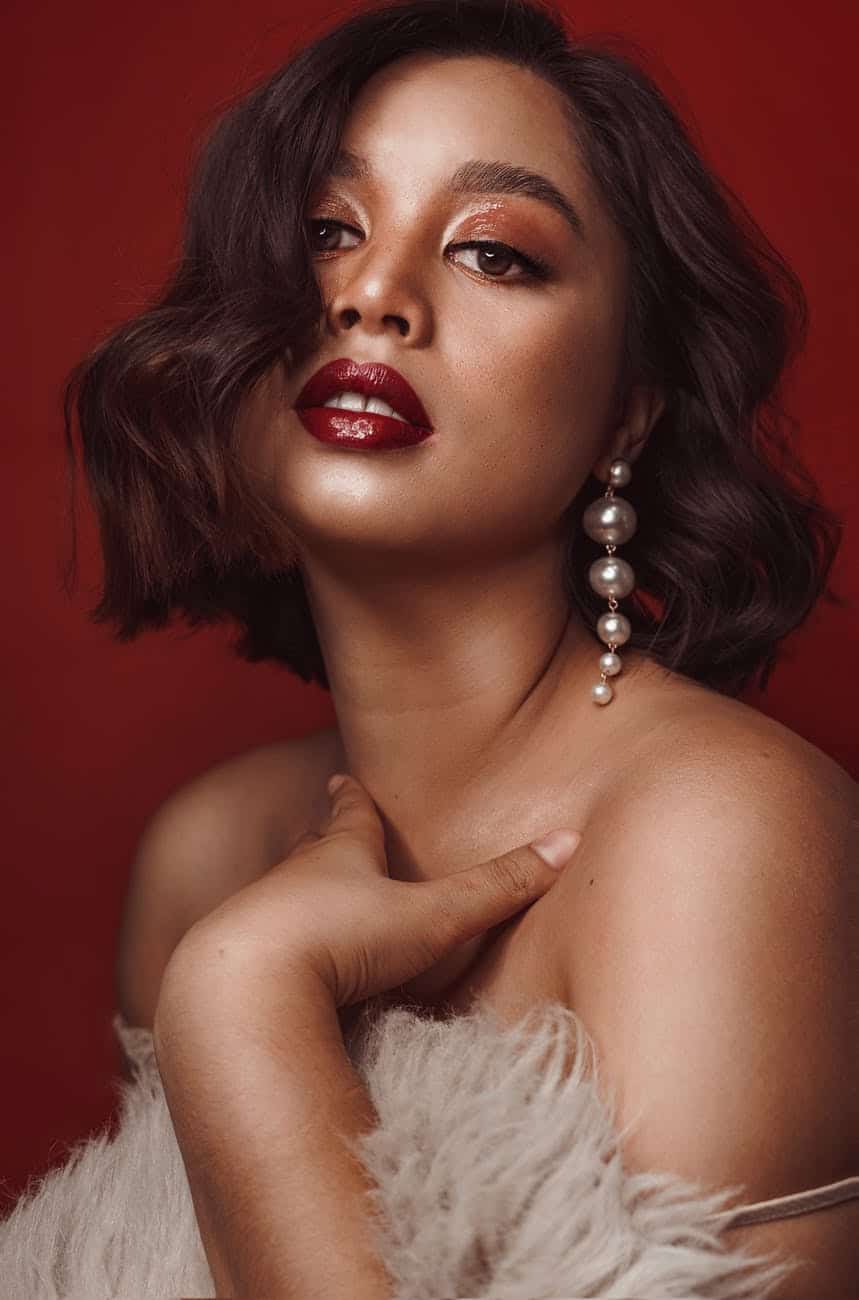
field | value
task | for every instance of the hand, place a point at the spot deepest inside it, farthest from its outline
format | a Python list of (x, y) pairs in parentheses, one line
[(331, 906)]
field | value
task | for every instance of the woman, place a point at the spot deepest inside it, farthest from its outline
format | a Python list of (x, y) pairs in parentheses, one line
[(572, 340)]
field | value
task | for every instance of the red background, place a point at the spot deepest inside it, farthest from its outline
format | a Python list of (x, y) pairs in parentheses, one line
[(103, 104)]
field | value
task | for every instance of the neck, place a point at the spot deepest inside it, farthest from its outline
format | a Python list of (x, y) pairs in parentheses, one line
[(444, 687)]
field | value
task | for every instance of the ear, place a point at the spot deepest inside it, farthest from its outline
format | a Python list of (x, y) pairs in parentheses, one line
[(640, 410)]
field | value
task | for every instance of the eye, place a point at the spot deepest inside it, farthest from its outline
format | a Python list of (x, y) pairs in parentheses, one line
[(328, 227), (497, 257)]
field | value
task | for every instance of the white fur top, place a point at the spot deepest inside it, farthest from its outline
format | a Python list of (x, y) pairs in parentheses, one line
[(497, 1171)]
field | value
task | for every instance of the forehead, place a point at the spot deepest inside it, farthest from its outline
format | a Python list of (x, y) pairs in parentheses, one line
[(419, 117)]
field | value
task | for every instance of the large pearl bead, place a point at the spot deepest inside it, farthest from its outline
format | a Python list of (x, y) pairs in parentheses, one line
[(614, 629), (601, 693), (619, 472), (611, 576), (610, 663), (610, 520)]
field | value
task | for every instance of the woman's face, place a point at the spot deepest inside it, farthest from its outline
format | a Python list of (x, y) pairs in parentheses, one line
[(515, 370)]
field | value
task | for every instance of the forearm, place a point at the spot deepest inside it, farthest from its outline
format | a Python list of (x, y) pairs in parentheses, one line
[(262, 1097)]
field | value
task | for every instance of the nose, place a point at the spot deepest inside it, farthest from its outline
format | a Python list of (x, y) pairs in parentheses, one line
[(376, 293)]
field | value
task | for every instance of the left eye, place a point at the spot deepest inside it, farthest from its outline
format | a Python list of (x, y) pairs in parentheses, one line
[(491, 252), (495, 254)]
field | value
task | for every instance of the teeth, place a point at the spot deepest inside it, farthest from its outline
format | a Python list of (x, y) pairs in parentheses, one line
[(351, 401), (360, 402), (383, 408)]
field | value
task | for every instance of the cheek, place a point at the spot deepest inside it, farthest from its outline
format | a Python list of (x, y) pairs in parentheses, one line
[(557, 382)]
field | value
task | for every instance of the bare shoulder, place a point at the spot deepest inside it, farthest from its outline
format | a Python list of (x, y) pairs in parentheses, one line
[(735, 804), (707, 749), (723, 800), (211, 836), (761, 782), (711, 951), (709, 721)]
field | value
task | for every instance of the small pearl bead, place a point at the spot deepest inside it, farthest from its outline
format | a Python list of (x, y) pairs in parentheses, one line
[(601, 693), (610, 519), (610, 664), (611, 576), (620, 472), (614, 628)]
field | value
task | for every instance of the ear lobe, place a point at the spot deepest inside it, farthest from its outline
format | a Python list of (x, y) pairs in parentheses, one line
[(640, 411)]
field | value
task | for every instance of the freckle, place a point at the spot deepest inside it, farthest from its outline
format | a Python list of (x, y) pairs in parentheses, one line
[(590, 882)]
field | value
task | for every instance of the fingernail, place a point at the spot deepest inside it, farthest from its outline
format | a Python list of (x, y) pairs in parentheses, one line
[(334, 783), (557, 847)]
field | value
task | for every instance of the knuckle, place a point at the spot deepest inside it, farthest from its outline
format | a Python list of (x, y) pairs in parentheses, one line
[(443, 916), (512, 875), (346, 797)]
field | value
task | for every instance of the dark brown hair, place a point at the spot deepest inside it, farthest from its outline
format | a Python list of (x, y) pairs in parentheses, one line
[(733, 547)]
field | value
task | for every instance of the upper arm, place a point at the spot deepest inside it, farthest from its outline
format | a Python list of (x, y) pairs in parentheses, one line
[(717, 974), (180, 841), (205, 841)]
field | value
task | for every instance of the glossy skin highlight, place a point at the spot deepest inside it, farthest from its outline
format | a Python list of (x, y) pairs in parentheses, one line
[(504, 362), (435, 572), (461, 681)]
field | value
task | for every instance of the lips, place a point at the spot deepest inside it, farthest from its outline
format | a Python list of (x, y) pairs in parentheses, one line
[(373, 379)]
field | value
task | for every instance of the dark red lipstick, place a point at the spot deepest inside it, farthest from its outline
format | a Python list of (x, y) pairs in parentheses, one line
[(362, 428)]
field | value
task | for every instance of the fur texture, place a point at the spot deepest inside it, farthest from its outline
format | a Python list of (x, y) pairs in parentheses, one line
[(497, 1175)]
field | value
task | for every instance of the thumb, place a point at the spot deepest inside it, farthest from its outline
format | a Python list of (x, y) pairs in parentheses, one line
[(478, 898), (557, 847)]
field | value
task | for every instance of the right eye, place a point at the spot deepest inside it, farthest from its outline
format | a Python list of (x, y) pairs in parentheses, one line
[(326, 229)]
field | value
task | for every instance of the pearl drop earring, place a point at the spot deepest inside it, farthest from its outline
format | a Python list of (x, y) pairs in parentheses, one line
[(612, 521)]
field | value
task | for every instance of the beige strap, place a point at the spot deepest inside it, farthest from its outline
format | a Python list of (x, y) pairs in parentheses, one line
[(783, 1207)]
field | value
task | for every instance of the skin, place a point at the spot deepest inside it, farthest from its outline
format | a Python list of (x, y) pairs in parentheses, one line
[(461, 688), (271, 1088), (435, 573)]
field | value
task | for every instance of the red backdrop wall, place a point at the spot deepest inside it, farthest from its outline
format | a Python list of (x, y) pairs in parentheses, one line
[(103, 105)]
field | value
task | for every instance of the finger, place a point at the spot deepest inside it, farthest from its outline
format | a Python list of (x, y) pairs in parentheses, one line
[(353, 810), (468, 902)]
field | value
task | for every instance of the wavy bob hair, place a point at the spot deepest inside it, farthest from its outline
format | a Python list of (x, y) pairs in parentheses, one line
[(733, 547)]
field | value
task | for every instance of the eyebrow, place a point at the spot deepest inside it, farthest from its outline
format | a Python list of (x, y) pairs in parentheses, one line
[(480, 176)]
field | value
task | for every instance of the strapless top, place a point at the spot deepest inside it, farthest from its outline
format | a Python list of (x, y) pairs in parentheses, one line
[(137, 1044), (496, 1174), (137, 1041)]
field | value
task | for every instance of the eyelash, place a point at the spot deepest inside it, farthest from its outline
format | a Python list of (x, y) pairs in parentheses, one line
[(534, 267)]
